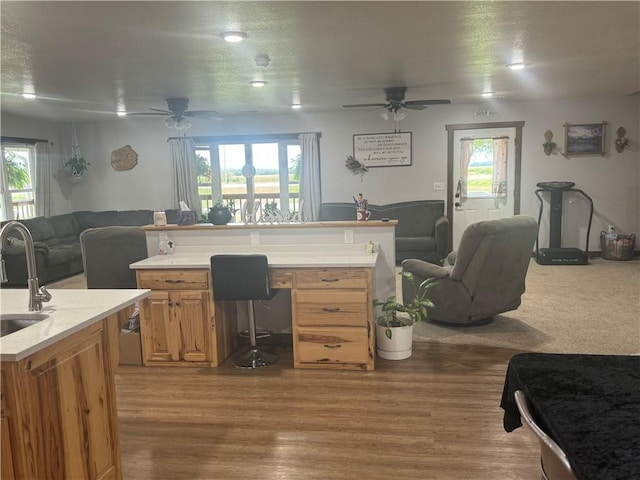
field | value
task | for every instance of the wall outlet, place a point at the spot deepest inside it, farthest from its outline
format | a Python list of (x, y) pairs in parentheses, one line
[(255, 238), (348, 236), (438, 186)]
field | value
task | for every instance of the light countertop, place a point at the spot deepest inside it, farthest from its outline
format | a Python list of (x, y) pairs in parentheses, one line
[(69, 311), (278, 256)]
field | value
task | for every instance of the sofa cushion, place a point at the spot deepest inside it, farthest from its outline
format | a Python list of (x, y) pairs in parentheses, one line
[(415, 218), (415, 243), (40, 228), (91, 219), (133, 218), (65, 225), (60, 254)]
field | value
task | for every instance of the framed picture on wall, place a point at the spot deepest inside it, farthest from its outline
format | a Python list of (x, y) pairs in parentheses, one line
[(584, 139), (383, 149)]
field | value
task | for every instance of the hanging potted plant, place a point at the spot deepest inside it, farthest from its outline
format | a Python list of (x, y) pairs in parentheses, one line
[(394, 327), (77, 166)]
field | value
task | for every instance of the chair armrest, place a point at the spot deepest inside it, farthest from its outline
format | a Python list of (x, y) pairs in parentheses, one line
[(451, 258), (442, 236), (423, 269)]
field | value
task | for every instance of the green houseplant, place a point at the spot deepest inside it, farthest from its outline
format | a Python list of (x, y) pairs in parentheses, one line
[(394, 326), (77, 166)]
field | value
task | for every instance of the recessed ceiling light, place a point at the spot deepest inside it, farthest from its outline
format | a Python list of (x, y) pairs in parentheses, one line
[(487, 94), (258, 83), (296, 106), (516, 66), (29, 95), (233, 37)]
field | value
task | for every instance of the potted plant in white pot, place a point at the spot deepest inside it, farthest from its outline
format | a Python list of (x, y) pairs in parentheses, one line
[(394, 327)]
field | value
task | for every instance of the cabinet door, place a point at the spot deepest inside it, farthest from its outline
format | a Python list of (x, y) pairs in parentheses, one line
[(159, 329), (68, 418), (191, 309)]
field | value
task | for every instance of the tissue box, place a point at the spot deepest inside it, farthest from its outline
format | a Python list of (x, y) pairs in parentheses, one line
[(186, 217)]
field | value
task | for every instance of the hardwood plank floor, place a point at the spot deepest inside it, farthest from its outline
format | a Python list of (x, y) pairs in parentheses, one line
[(434, 416)]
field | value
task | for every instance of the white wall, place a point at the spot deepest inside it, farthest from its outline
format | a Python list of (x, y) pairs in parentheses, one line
[(613, 180)]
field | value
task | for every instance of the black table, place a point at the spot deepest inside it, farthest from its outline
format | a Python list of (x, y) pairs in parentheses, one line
[(589, 404)]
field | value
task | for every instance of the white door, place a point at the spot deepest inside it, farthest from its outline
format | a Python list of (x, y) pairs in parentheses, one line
[(480, 203)]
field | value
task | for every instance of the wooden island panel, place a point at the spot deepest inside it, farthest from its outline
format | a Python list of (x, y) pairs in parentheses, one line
[(59, 417)]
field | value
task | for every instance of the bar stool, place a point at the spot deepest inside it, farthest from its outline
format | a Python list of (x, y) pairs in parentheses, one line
[(238, 278)]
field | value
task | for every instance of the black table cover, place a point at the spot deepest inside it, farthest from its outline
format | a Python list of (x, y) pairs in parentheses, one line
[(589, 404)]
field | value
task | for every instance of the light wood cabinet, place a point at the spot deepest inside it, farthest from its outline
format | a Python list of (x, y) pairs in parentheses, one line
[(59, 417), (179, 323), (333, 318)]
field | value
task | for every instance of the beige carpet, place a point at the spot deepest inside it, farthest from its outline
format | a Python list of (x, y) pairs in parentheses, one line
[(591, 308)]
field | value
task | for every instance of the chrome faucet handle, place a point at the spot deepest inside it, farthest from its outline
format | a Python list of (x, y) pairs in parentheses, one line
[(43, 294)]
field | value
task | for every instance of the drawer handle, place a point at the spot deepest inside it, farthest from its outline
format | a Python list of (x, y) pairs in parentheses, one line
[(174, 281), (330, 280), (331, 310), (332, 347)]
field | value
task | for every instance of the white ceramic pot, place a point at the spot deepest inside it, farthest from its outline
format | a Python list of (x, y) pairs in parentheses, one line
[(398, 347)]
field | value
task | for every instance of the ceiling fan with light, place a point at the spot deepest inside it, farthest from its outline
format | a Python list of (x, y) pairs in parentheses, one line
[(178, 113), (395, 103)]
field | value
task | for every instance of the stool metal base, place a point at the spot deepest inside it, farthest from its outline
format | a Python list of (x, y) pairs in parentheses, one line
[(254, 358)]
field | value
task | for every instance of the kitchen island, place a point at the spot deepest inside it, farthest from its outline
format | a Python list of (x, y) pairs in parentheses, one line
[(58, 403), (332, 287)]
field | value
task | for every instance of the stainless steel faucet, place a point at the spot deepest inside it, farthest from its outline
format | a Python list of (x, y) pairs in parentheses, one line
[(37, 294)]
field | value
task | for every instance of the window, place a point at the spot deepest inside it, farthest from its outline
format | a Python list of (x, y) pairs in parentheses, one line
[(18, 193), (483, 168), (263, 169), (480, 171)]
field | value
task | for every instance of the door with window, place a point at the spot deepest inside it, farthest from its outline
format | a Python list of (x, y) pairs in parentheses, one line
[(484, 177)]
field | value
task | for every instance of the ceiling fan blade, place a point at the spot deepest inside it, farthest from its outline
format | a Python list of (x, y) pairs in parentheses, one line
[(412, 106), (203, 114), (146, 113), (365, 105), (427, 102)]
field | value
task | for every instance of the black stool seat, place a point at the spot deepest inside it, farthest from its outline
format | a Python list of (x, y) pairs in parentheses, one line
[(244, 277)]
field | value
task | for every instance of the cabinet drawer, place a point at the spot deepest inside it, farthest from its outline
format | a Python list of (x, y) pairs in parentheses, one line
[(331, 278), (173, 279), (332, 345), (335, 307)]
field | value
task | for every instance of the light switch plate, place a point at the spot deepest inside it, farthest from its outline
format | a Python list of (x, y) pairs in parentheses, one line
[(348, 236), (438, 185)]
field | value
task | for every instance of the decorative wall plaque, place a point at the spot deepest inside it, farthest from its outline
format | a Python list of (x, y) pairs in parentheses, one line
[(124, 158)]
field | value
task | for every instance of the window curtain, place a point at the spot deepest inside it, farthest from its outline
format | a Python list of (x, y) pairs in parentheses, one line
[(499, 181), (309, 176), (466, 150), (5, 196), (43, 172), (185, 176)]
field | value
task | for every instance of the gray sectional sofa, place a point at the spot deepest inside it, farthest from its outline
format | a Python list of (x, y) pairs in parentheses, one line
[(57, 244), (422, 231)]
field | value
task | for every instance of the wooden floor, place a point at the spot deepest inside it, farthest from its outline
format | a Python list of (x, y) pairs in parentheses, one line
[(434, 416)]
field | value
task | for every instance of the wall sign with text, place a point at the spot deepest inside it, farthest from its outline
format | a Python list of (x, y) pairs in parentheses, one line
[(383, 149)]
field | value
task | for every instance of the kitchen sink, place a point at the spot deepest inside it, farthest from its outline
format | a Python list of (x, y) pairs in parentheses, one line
[(12, 322)]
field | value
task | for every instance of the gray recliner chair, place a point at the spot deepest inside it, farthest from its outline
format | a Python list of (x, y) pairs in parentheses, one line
[(107, 253), (484, 277)]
